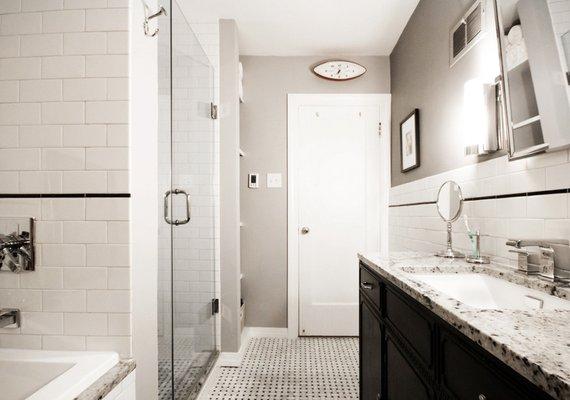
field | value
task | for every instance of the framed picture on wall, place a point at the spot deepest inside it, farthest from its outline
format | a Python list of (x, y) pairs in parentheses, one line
[(410, 141)]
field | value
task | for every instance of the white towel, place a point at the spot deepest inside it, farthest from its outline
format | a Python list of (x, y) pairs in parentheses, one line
[(515, 35)]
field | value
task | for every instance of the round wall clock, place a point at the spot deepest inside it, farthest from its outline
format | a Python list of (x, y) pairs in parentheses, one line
[(339, 70)]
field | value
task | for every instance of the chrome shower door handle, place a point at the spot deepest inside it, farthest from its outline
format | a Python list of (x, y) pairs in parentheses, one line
[(168, 220), (188, 216), (176, 221)]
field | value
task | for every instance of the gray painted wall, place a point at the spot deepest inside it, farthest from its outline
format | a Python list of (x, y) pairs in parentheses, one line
[(421, 78), (229, 187), (267, 81)]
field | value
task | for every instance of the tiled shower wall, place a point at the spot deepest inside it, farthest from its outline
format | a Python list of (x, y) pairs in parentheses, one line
[(64, 130), (521, 199), (208, 33), (195, 155)]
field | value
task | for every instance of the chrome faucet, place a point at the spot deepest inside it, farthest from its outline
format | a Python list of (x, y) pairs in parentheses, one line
[(552, 262), (9, 316)]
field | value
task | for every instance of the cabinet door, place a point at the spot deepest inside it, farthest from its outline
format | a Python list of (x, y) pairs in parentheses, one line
[(468, 376), (403, 382), (370, 353)]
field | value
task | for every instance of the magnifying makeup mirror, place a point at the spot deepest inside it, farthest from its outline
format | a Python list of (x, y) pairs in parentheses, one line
[(449, 205)]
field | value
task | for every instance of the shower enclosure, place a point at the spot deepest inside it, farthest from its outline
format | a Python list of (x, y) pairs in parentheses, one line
[(187, 191)]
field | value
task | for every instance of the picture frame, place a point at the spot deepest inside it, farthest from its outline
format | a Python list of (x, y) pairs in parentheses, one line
[(410, 141)]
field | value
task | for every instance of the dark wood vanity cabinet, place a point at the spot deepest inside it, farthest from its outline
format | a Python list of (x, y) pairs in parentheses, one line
[(371, 352), (409, 353), (403, 381)]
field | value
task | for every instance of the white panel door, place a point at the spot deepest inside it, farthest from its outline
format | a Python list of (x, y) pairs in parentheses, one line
[(338, 148)]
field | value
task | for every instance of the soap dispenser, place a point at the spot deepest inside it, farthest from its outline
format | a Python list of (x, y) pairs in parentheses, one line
[(475, 239)]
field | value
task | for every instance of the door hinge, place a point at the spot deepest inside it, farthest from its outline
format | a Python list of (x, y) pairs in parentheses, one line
[(215, 306), (213, 111), (380, 128)]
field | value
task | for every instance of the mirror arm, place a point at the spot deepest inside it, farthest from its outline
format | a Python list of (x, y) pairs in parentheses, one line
[(449, 237)]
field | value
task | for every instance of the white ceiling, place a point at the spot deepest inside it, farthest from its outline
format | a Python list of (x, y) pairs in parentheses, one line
[(309, 27)]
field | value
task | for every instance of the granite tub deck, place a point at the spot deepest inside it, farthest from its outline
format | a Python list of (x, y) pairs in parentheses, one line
[(534, 343), (104, 385)]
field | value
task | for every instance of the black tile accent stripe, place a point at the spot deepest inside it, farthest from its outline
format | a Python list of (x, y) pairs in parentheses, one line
[(491, 197), (59, 195)]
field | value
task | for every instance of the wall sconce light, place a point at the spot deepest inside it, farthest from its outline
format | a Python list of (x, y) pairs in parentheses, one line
[(480, 111)]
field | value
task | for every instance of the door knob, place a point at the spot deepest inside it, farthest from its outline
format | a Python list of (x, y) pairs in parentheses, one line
[(304, 230)]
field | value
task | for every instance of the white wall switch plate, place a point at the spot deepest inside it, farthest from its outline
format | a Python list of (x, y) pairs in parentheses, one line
[(253, 181), (274, 180)]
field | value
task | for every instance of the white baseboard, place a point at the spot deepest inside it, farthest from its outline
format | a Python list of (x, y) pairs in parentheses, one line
[(251, 332)]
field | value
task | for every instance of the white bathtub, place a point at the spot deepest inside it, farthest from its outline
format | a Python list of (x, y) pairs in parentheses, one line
[(50, 375)]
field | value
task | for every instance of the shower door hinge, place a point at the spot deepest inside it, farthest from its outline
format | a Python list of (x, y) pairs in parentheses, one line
[(215, 306), (380, 128), (213, 111)]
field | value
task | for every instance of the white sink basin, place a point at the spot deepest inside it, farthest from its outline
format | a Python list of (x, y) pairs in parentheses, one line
[(485, 292)]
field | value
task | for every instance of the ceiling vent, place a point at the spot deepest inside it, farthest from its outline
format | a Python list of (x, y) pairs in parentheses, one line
[(466, 33)]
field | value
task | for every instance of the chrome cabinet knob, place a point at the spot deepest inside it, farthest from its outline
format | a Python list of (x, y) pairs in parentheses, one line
[(482, 397), (305, 230)]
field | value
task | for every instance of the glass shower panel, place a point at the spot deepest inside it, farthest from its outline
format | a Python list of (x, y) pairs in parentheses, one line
[(193, 172), (187, 239), (164, 312)]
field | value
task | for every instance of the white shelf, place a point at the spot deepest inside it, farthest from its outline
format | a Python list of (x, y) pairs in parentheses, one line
[(526, 122), (518, 65)]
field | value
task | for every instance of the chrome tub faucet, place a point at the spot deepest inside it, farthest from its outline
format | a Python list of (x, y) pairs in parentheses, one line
[(9, 317), (551, 262)]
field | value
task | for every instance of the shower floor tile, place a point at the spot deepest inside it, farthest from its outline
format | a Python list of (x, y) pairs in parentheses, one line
[(300, 369), (189, 367)]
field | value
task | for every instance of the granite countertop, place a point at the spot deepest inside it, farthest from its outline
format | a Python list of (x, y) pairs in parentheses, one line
[(535, 343), (104, 385)]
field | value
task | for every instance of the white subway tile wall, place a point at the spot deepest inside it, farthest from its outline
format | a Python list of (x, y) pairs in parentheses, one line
[(208, 33), (195, 157), (64, 95), (419, 227), (64, 129), (79, 295)]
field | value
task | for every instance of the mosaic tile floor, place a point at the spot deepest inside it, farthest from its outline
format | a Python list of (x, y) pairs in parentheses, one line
[(300, 369), (188, 368), (185, 378)]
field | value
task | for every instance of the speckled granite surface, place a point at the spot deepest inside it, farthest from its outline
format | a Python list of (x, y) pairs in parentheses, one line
[(535, 343), (107, 382)]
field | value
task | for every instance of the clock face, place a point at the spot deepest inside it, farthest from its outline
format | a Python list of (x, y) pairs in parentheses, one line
[(339, 70)]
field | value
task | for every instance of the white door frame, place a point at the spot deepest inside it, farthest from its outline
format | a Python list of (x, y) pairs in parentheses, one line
[(294, 101)]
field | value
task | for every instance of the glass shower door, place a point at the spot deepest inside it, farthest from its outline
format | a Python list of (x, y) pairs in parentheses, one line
[(187, 329)]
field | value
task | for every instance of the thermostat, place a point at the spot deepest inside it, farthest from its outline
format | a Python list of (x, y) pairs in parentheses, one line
[(253, 181)]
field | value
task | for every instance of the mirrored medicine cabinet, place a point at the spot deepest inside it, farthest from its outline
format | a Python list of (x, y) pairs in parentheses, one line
[(534, 95), (519, 103)]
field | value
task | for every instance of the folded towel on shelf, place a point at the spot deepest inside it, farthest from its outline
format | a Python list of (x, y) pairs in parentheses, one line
[(515, 35), (515, 47)]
